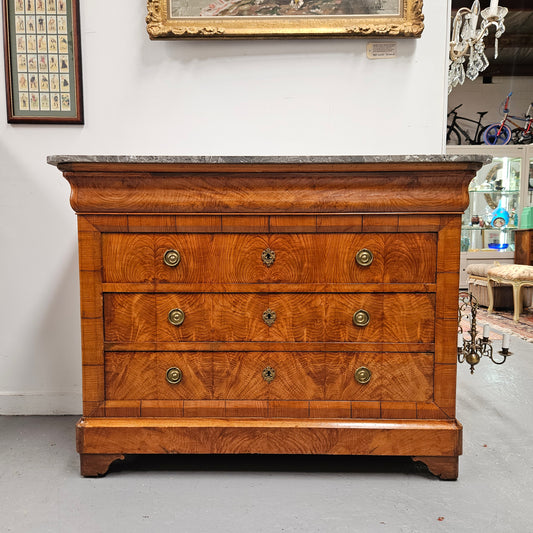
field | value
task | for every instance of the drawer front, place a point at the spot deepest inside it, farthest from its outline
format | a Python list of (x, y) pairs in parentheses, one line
[(312, 376), (298, 317), (270, 258)]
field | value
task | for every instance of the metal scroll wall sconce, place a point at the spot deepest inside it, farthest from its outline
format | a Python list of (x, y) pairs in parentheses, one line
[(472, 350), (468, 40)]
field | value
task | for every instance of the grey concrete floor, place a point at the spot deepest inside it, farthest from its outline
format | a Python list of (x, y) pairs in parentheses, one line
[(41, 489)]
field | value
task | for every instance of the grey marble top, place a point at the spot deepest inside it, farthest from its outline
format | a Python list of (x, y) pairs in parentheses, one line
[(168, 159)]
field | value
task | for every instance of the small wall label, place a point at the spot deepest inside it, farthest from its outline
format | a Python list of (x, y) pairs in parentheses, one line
[(381, 50)]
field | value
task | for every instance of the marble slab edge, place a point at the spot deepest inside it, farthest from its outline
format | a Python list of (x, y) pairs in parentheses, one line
[(56, 160)]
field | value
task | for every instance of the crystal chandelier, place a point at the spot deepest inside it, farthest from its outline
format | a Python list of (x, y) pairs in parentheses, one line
[(467, 40)]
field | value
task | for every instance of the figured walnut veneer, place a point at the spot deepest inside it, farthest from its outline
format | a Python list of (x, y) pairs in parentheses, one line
[(315, 217)]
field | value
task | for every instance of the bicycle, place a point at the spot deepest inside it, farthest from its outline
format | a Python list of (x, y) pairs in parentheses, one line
[(501, 133), (454, 131)]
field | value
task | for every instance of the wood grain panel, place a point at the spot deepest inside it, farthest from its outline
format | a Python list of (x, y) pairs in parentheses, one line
[(410, 256), (111, 222), (366, 409), (92, 339), (247, 408), (447, 295), (288, 409), (143, 376), (398, 410), (408, 317), (198, 223), (204, 408), (91, 294), (337, 409), (340, 380), (130, 317), (293, 223), (424, 223), (446, 340), (169, 408), (298, 376), (89, 252), (406, 377), (123, 408), (245, 224), (93, 383), (380, 223), (449, 245), (151, 223), (244, 435), (339, 311), (128, 258), (300, 317), (429, 411), (93, 408), (445, 378), (131, 376), (339, 223), (237, 375)]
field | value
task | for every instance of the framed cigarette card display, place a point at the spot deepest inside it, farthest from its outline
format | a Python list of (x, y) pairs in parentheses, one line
[(42, 61)]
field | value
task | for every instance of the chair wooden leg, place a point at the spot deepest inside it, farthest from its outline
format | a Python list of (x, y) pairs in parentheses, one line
[(491, 296), (517, 301)]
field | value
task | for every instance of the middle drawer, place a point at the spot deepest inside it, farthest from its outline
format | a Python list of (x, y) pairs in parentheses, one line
[(238, 317)]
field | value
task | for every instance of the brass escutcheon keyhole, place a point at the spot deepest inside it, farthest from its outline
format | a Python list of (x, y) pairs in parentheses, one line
[(268, 257), (268, 374), (269, 317), (172, 258)]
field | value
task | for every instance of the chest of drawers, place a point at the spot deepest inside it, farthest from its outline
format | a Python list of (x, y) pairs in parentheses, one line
[(269, 305)]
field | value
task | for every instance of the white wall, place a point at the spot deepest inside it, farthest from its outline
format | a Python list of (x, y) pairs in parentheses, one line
[(181, 97)]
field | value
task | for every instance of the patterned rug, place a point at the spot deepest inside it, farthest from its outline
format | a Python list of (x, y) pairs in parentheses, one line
[(502, 321)]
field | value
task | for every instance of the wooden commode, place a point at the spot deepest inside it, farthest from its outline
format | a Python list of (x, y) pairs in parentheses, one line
[(276, 305)]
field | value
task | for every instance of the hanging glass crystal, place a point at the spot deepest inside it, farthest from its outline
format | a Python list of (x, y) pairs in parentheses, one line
[(467, 40)]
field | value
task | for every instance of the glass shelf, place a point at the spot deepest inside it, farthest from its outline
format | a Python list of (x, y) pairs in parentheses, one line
[(494, 200)]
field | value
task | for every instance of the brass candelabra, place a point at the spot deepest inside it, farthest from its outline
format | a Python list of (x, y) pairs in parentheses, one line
[(472, 350)]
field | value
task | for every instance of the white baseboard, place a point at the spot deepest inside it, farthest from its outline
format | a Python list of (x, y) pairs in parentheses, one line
[(40, 403)]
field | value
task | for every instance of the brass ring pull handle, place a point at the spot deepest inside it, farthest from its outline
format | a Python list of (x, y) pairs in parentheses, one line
[(364, 257), (268, 257), (174, 375), (269, 317), (362, 375), (268, 374), (361, 318), (172, 258), (176, 317)]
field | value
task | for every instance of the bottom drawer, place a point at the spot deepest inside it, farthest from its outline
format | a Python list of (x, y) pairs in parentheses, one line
[(269, 376)]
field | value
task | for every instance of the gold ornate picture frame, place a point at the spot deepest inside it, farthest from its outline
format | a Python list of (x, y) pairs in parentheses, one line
[(263, 19), (42, 61)]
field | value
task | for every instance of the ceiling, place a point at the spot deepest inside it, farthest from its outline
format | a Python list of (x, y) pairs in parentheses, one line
[(515, 57)]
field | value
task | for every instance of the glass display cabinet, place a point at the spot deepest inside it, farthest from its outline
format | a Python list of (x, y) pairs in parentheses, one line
[(498, 194)]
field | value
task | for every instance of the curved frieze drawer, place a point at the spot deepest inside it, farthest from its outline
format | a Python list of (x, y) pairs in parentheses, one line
[(237, 317), (269, 258)]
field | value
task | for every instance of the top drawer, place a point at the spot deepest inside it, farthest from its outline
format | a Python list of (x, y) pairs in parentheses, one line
[(270, 258)]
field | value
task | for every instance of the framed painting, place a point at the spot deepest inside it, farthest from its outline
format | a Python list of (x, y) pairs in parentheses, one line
[(262, 19), (42, 61)]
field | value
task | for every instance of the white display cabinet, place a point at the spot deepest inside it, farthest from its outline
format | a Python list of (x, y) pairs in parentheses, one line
[(498, 194)]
